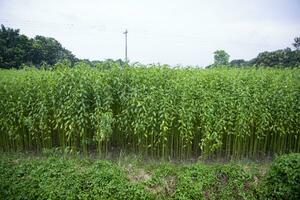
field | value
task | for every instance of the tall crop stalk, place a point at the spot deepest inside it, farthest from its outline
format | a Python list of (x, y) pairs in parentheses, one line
[(155, 111)]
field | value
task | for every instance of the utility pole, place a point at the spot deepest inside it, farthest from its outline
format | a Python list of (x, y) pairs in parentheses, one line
[(125, 45)]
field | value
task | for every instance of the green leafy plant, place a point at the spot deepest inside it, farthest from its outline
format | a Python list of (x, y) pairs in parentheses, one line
[(154, 111), (282, 180)]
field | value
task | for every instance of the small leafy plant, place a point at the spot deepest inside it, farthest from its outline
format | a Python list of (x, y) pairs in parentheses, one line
[(282, 181)]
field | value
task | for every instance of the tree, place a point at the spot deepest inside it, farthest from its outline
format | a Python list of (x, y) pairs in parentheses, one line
[(297, 43), (49, 50), (280, 58), (14, 48), (17, 49), (221, 57), (238, 63)]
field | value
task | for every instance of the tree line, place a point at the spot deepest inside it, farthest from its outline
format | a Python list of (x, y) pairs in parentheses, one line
[(17, 49), (279, 58)]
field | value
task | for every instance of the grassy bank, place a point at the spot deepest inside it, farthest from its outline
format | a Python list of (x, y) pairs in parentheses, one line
[(59, 176)]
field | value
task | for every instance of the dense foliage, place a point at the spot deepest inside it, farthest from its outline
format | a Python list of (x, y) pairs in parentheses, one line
[(221, 57), (155, 111), (238, 63), (283, 178), (296, 43), (282, 58), (57, 175), (17, 49), (60, 177)]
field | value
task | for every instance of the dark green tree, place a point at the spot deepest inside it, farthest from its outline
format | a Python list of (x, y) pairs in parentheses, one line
[(221, 57), (17, 49), (280, 58), (49, 50), (296, 44), (14, 48), (238, 63)]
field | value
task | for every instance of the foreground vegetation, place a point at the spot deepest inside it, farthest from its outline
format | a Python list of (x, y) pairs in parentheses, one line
[(155, 111), (58, 176)]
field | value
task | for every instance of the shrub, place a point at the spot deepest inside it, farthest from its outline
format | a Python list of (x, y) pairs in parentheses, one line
[(282, 181)]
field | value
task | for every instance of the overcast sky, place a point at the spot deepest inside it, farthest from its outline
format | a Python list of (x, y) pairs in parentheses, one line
[(183, 32)]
